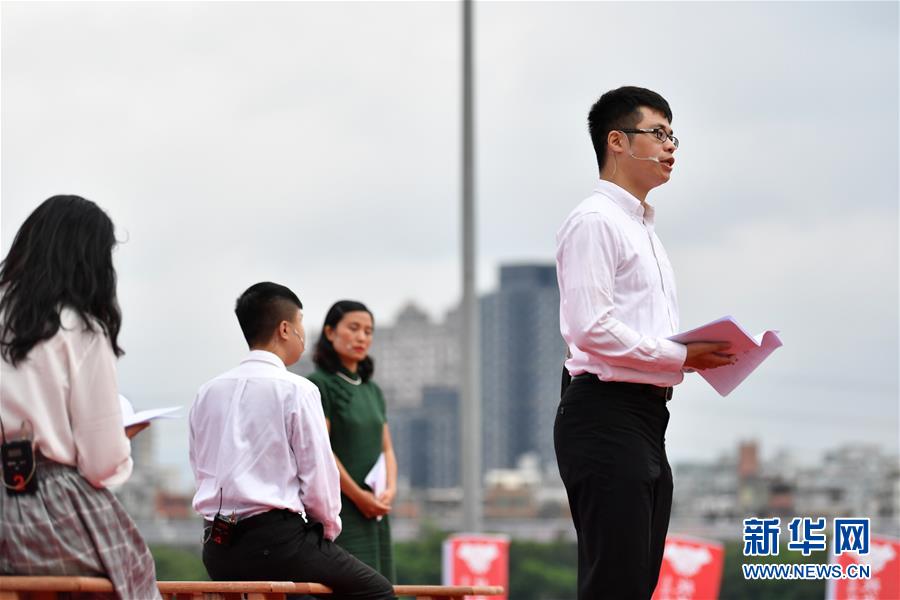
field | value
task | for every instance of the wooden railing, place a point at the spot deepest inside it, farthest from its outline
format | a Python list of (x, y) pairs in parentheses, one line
[(15, 587), (47, 588)]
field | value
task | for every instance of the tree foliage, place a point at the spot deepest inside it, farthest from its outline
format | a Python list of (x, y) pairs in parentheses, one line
[(735, 587), (178, 564)]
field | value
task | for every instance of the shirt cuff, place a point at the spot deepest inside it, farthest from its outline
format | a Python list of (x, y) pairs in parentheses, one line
[(671, 355), (121, 475), (333, 529)]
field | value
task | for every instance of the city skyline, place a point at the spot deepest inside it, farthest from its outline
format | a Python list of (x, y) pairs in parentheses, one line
[(528, 501)]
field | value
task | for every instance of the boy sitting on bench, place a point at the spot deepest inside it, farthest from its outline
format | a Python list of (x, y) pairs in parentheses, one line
[(267, 483)]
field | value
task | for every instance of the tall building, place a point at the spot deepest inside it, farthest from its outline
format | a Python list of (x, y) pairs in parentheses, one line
[(417, 367), (426, 439), (522, 357), (414, 353)]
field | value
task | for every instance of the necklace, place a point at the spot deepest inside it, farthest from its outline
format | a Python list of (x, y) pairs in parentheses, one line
[(348, 379)]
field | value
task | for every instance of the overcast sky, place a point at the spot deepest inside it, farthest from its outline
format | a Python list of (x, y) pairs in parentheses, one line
[(317, 145)]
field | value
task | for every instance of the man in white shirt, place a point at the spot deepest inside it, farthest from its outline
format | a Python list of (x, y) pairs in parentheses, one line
[(267, 483), (617, 308)]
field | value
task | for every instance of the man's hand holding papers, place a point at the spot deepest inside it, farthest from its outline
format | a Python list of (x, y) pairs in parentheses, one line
[(708, 355), (745, 352)]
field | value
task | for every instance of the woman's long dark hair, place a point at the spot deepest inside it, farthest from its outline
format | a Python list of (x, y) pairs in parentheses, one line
[(326, 357), (61, 256)]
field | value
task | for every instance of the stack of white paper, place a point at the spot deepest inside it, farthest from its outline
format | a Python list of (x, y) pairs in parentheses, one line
[(377, 478), (129, 417), (751, 351)]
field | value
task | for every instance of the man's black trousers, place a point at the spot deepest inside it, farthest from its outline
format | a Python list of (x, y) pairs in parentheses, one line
[(610, 448), (280, 546)]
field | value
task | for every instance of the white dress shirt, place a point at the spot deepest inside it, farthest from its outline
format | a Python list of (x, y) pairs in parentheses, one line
[(67, 389), (258, 433), (617, 292)]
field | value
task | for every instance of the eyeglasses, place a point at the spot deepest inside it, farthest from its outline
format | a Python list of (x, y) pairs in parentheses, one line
[(658, 132)]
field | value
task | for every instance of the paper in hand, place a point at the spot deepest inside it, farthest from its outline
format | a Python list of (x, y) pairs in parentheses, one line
[(376, 478), (751, 351), (129, 417)]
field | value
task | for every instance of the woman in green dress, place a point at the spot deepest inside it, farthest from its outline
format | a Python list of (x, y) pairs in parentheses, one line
[(355, 414)]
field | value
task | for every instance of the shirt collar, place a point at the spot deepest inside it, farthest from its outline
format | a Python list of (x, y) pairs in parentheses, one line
[(355, 376), (622, 198), (264, 356)]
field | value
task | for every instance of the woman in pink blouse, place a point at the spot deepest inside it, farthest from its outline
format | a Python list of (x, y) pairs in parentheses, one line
[(59, 329)]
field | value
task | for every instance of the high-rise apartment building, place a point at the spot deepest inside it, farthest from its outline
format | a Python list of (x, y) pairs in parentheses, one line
[(414, 353), (522, 354), (426, 439)]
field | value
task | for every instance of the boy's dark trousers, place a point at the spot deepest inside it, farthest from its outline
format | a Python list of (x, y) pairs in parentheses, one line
[(610, 448), (280, 546)]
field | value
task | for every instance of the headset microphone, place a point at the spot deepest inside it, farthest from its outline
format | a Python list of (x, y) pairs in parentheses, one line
[(650, 158)]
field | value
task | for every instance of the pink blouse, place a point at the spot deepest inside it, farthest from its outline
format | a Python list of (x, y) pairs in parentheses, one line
[(67, 388)]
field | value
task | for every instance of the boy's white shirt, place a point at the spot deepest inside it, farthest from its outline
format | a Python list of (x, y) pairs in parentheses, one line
[(258, 432)]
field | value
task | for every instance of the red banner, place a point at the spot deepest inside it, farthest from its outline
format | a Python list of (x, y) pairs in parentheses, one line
[(691, 569), (477, 560), (884, 584)]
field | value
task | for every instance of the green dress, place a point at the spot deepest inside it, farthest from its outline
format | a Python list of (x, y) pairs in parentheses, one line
[(357, 415)]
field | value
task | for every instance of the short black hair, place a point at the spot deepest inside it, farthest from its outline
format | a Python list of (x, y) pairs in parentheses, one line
[(621, 109), (262, 307), (326, 357), (61, 256)]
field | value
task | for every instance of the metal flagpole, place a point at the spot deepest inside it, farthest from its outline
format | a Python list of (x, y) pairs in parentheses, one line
[(470, 423)]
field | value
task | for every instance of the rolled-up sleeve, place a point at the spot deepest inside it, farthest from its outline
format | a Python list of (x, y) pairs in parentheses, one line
[(320, 484), (102, 448), (587, 259)]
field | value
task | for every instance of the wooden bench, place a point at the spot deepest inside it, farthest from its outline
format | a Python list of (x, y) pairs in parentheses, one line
[(47, 588), (15, 587)]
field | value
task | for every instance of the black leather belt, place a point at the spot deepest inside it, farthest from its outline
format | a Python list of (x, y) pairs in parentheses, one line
[(263, 519), (663, 393)]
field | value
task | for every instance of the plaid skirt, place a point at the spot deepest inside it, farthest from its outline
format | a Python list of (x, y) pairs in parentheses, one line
[(68, 527)]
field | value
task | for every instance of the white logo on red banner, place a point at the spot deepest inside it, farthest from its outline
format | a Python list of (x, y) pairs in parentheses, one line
[(478, 557), (884, 584), (477, 560), (691, 569)]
